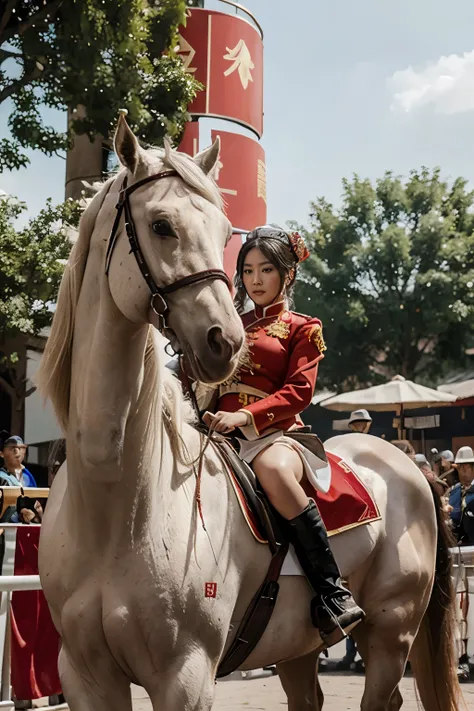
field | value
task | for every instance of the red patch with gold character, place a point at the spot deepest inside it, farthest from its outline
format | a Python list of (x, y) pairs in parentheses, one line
[(210, 589)]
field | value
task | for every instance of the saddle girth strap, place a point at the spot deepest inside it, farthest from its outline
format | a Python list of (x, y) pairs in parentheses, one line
[(259, 612), (256, 618)]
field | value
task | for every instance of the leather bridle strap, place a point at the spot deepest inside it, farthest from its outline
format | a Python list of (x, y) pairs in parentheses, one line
[(158, 293), (124, 194)]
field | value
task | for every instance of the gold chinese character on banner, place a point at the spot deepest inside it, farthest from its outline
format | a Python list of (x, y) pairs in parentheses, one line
[(186, 53), (242, 62), (261, 180)]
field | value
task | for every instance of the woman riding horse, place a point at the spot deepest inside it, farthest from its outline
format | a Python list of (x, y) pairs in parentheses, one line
[(264, 400)]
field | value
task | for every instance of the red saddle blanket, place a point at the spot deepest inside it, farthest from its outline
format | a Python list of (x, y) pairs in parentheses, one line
[(347, 504)]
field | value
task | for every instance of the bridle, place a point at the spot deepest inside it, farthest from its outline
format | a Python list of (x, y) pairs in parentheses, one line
[(158, 302)]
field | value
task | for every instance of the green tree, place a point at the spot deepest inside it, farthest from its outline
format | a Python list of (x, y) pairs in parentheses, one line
[(392, 278), (31, 268), (99, 54)]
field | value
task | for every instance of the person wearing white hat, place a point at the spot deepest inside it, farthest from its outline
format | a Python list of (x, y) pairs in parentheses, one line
[(360, 421), (420, 459), (461, 497), (446, 470)]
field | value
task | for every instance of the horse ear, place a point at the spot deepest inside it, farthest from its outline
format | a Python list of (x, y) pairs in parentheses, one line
[(126, 146), (208, 159)]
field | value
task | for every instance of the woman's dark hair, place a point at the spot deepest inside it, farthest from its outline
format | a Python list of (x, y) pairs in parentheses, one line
[(277, 254)]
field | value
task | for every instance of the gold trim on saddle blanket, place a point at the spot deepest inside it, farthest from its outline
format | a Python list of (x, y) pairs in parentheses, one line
[(237, 388), (240, 500)]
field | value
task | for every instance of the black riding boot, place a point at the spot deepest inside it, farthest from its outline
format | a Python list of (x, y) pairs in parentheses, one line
[(333, 610)]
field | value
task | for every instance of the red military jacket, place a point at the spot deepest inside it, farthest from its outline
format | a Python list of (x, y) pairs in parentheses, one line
[(276, 380)]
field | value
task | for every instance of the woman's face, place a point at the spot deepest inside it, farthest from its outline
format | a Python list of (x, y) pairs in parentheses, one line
[(261, 279)]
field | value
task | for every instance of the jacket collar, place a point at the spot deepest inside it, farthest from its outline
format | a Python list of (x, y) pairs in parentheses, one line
[(261, 313), (269, 311)]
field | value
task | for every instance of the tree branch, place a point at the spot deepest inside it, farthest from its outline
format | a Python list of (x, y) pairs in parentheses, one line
[(371, 274), (7, 54), (17, 85), (30, 391), (6, 387), (7, 14), (20, 29)]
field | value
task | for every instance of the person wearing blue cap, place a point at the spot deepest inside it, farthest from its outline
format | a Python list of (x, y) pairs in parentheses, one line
[(14, 473), (13, 451)]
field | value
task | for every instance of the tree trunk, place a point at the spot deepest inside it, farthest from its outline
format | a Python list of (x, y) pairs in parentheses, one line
[(17, 426), (13, 382)]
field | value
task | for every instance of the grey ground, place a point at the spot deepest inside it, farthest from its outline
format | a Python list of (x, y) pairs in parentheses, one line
[(343, 692)]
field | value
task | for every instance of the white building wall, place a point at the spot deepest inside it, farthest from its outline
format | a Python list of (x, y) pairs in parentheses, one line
[(40, 421)]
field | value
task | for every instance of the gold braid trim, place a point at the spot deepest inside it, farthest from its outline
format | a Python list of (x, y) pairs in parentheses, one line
[(315, 336), (278, 329), (245, 362)]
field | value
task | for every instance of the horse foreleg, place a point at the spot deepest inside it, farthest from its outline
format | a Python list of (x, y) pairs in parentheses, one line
[(93, 689), (186, 682), (299, 678)]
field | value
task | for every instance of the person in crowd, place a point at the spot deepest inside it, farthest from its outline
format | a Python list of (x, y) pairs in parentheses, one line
[(14, 473), (405, 446), (446, 471), (424, 465), (360, 421), (461, 497)]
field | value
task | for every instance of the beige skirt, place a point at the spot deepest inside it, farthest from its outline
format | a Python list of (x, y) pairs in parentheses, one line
[(317, 471)]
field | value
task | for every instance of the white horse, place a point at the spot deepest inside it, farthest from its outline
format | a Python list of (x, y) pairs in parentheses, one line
[(124, 560)]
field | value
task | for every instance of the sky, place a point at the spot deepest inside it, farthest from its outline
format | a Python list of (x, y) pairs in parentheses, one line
[(359, 87)]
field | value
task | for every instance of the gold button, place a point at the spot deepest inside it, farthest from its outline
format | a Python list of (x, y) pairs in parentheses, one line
[(271, 416)]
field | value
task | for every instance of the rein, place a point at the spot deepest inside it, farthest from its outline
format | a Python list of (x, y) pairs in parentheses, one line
[(158, 302)]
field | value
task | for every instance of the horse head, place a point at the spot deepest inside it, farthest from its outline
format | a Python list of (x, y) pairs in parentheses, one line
[(165, 258)]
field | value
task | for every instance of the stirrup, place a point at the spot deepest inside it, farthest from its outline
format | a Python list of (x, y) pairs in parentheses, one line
[(338, 633)]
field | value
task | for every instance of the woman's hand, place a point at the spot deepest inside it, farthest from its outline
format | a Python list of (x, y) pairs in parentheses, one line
[(225, 422)]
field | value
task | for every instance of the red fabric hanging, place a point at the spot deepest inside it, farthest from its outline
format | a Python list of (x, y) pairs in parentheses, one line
[(34, 641)]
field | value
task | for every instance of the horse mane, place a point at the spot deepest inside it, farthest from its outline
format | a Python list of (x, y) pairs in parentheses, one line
[(54, 374)]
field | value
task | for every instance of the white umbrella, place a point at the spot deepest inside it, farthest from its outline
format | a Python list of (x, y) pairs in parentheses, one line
[(398, 394), (319, 397), (460, 390)]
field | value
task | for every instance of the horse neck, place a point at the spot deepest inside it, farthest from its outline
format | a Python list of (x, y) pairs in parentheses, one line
[(108, 413)]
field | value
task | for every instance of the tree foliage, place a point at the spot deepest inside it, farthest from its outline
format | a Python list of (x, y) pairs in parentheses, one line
[(99, 54), (392, 278), (31, 268), (32, 264)]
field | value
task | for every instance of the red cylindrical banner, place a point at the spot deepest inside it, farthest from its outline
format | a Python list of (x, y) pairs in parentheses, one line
[(242, 179), (190, 140), (225, 53)]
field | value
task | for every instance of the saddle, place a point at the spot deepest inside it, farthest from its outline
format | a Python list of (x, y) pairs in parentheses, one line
[(273, 529)]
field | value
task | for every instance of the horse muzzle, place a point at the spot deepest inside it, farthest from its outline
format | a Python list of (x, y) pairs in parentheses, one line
[(216, 357)]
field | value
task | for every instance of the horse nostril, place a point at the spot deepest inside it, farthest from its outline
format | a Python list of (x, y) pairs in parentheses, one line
[(217, 343)]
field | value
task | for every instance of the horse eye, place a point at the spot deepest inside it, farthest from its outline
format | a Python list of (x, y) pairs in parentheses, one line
[(162, 228)]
